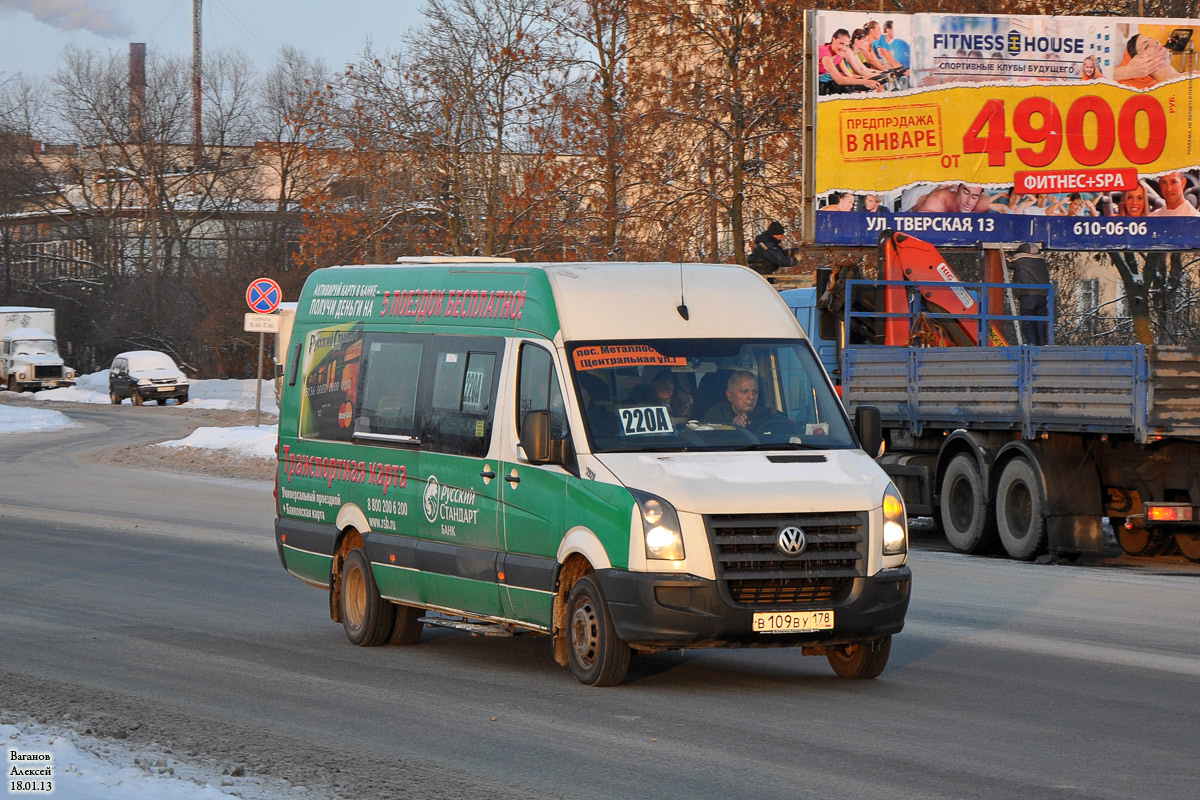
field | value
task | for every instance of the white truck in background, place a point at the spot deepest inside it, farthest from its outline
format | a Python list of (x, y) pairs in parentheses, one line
[(29, 352)]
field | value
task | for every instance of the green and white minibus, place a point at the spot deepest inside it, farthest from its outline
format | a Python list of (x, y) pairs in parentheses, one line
[(629, 458)]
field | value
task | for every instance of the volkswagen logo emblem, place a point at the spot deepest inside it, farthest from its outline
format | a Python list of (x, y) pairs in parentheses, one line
[(791, 541)]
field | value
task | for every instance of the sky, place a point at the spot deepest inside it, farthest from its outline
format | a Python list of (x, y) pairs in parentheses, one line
[(33, 33)]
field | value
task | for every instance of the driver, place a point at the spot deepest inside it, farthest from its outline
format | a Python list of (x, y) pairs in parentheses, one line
[(741, 395)]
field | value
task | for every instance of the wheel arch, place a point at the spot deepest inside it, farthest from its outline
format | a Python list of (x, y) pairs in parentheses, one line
[(349, 538), (962, 442), (571, 568)]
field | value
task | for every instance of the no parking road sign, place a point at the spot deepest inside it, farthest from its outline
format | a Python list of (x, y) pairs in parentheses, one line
[(263, 295)]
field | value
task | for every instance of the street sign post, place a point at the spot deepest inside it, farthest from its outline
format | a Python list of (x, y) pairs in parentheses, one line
[(263, 295)]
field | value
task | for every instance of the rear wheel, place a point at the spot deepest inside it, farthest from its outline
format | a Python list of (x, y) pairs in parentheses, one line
[(1137, 541), (1021, 510), (408, 626), (965, 516), (597, 656), (366, 616), (1189, 545), (135, 398), (861, 661)]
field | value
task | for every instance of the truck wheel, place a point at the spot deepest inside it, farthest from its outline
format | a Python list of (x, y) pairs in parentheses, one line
[(965, 517), (135, 398), (408, 626), (1020, 511), (1137, 541), (597, 656), (12, 383), (366, 616), (1189, 545), (115, 398), (861, 661)]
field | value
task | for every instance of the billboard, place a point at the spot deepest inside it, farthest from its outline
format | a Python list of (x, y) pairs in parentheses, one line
[(1076, 132)]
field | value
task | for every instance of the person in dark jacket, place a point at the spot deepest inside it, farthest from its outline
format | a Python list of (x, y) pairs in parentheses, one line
[(1028, 266), (768, 254)]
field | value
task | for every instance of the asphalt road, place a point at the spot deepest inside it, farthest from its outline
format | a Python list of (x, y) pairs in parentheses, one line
[(152, 607)]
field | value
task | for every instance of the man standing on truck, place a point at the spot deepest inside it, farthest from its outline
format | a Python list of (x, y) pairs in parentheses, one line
[(768, 254), (1028, 266)]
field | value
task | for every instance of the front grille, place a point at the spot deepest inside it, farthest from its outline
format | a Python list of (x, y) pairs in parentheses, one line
[(163, 381), (47, 372), (755, 573)]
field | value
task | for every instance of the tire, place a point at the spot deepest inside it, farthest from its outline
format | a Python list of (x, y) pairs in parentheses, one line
[(366, 616), (408, 626), (1137, 541), (596, 655), (136, 398), (966, 517), (115, 398), (162, 401), (1021, 511), (12, 383), (182, 399), (861, 662), (1189, 546)]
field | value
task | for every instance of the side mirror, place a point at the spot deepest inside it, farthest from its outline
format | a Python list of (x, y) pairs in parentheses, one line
[(870, 430), (535, 436)]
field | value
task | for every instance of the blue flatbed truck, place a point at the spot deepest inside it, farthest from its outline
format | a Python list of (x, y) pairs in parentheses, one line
[(1026, 450)]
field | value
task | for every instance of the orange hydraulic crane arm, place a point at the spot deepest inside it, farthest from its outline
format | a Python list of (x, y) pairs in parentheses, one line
[(906, 258)]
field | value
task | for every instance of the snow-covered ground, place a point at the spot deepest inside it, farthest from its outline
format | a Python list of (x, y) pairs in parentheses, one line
[(215, 394), (89, 769), (83, 768)]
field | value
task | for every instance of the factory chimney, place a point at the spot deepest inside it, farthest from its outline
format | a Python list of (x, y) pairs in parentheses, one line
[(137, 92)]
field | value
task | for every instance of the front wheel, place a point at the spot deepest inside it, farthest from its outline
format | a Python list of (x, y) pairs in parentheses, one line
[(861, 661), (367, 617), (115, 398), (1021, 511), (135, 398), (597, 656)]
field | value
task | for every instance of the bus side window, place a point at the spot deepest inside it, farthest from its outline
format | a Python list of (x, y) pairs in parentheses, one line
[(538, 389), (459, 420)]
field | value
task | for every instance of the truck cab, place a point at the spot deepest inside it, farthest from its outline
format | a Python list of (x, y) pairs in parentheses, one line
[(29, 356)]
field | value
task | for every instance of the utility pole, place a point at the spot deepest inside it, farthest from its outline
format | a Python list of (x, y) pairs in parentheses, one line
[(197, 133)]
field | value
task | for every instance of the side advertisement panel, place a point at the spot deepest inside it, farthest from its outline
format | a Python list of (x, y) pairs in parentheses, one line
[(1076, 132)]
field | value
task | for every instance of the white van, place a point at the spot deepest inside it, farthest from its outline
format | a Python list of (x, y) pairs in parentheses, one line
[(627, 457)]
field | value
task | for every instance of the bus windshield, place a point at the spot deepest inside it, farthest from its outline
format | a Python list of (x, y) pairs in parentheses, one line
[(706, 394)]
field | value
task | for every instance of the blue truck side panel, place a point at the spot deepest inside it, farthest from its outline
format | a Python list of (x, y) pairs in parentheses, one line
[(1030, 389)]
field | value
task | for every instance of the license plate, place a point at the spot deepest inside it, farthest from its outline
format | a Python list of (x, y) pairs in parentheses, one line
[(166, 388), (791, 621)]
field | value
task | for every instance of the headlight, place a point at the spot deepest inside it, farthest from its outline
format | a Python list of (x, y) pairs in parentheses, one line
[(895, 523), (144, 382), (20, 376), (661, 524), (70, 373)]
